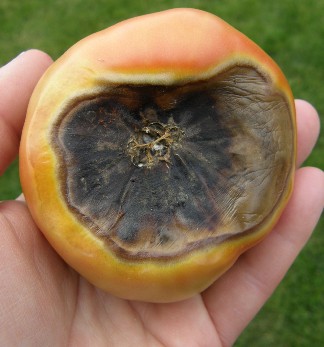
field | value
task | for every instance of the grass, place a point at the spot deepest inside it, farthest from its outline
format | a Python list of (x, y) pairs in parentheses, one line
[(292, 32)]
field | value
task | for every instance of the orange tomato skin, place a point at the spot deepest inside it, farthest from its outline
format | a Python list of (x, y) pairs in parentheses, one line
[(160, 48)]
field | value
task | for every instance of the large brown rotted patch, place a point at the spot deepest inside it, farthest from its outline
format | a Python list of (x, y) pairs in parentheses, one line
[(157, 171)]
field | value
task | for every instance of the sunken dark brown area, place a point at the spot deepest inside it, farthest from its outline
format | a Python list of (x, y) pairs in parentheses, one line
[(225, 172)]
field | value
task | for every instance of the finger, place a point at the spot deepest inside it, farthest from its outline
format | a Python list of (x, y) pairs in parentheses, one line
[(21, 197), (308, 126), (237, 296), (17, 81)]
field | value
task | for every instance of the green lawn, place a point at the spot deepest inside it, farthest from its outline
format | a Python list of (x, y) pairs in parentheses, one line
[(292, 32)]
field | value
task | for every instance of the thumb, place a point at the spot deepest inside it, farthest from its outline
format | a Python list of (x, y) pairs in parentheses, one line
[(17, 81)]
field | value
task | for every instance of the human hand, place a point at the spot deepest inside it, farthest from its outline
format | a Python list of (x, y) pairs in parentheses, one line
[(45, 302)]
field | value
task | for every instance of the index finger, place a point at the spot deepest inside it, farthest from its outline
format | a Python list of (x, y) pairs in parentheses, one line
[(308, 127)]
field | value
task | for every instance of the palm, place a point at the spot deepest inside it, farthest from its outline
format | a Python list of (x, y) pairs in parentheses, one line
[(45, 302), (46, 297)]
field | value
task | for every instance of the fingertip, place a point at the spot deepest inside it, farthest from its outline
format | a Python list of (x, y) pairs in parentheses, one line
[(305, 205), (34, 55), (18, 79), (306, 106), (38, 55), (313, 179), (308, 128)]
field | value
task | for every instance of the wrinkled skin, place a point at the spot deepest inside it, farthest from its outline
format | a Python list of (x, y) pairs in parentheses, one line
[(44, 301)]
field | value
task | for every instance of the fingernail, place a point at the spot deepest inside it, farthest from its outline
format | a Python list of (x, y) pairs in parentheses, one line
[(19, 55), (23, 52)]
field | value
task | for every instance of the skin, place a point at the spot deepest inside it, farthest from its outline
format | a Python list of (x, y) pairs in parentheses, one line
[(43, 299)]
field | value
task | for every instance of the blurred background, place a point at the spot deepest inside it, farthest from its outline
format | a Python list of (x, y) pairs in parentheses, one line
[(291, 32)]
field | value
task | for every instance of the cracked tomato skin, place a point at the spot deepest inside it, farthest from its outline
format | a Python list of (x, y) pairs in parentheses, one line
[(158, 150)]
